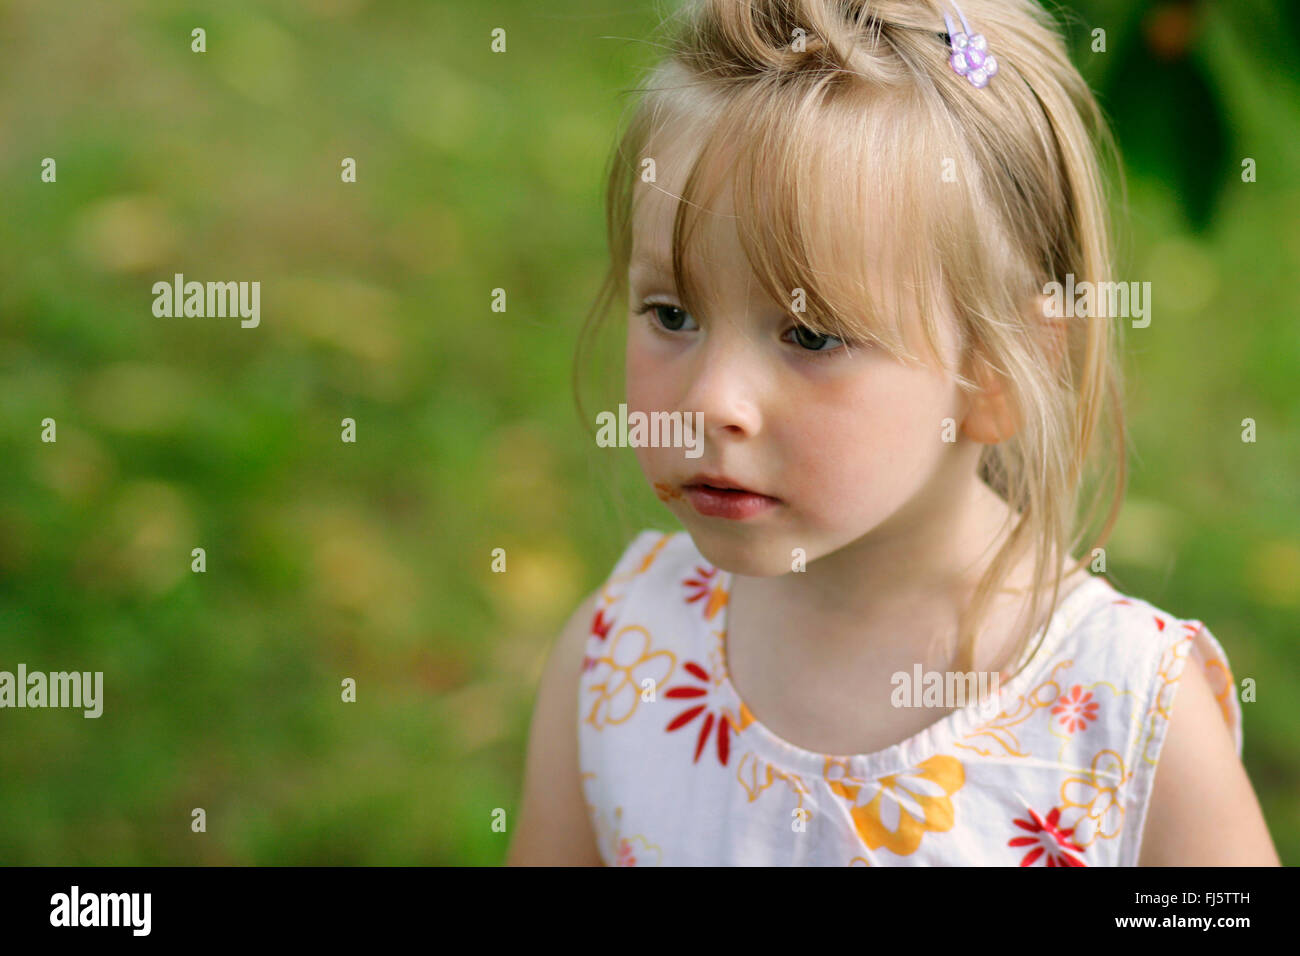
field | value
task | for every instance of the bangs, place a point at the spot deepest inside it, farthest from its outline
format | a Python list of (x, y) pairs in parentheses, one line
[(837, 197)]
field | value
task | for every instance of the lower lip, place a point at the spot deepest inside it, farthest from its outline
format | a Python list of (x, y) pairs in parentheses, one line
[(737, 505)]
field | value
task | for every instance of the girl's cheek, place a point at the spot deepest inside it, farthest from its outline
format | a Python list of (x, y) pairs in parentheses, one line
[(858, 440), (647, 376)]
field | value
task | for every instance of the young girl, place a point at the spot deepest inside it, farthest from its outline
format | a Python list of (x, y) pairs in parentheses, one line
[(838, 224)]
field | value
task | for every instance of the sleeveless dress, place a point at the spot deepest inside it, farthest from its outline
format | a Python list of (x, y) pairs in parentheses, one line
[(676, 771)]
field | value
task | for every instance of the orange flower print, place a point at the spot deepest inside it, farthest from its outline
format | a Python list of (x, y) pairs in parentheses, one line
[(756, 775), (1075, 709), (620, 673), (896, 810), (706, 587), (1090, 802), (1049, 839), (720, 718)]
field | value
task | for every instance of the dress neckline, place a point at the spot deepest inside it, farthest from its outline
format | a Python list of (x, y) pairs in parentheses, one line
[(931, 739)]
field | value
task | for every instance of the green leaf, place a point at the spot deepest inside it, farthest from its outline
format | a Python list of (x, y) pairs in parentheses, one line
[(1171, 126)]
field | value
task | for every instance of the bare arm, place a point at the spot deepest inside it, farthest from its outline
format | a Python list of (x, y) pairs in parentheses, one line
[(553, 828), (1203, 811)]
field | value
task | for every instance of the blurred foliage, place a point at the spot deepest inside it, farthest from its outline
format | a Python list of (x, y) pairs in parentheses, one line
[(327, 560)]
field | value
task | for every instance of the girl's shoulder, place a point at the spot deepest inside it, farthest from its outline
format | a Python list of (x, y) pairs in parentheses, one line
[(1130, 642), (645, 548), (654, 559), (657, 570), (1152, 653), (1107, 689)]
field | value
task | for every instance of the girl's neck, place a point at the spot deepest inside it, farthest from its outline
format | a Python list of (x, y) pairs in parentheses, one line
[(896, 587)]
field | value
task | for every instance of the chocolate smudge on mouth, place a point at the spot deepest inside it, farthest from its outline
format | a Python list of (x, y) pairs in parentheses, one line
[(666, 492)]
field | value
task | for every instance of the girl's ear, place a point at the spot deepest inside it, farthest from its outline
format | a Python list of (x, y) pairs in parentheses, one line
[(992, 416)]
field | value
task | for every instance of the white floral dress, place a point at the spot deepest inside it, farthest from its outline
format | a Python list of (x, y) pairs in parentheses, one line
[(676, 771)]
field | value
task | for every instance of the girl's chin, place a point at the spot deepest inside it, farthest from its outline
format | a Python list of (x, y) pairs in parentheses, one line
[(738, 554)]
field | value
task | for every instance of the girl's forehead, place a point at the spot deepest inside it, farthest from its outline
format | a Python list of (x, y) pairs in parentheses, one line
[(713, 228), (830, 239), (714, 255)]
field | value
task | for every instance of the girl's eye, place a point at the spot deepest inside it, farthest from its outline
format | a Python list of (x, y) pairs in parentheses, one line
[(675, 319), (815, 341)]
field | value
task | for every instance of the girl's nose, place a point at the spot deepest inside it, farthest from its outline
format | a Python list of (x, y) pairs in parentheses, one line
[(723, 384)]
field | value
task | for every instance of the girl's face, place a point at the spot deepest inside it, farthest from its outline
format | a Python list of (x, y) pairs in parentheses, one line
[(846, 439)]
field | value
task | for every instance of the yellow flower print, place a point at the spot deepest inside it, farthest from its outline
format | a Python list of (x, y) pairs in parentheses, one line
[(1089, 804), (1172, 662), (610, 590), (616, 849), (896, 810), (635, 851), (756, 775), (653, 553), (997, 736), (1223, 685), (616, 677), (606, 835), (1177, 656)]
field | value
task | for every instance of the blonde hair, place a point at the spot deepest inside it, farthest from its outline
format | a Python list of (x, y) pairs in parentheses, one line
[(862, 111)]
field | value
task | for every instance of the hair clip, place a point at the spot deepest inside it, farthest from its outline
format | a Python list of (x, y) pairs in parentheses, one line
[(970, 57)]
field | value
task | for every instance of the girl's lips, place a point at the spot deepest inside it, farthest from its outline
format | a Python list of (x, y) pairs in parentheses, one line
[(727, 503)]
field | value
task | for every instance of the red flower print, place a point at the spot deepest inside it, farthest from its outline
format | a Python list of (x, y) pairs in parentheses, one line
[(1048, 838), (600, 626), (706, 588), (1075, 709), (700, 586), (626, 855), (710, 718), (1160, 624)]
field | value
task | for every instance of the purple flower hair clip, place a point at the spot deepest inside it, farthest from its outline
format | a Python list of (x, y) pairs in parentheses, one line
[(970, 57)]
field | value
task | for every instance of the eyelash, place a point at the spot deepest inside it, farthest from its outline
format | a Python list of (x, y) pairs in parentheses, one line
[(648, 307)]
